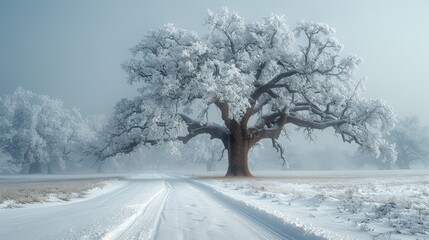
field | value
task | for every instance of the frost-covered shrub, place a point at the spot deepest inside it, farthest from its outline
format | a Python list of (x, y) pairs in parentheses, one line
[(353, 206)]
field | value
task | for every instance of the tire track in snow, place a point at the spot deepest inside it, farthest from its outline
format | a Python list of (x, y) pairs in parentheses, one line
[(266, 225), (196, 211), (144, 223)]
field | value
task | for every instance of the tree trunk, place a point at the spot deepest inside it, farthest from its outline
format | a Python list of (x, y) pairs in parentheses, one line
[(35, 168), (238, 150), (210, 165), (50, 167)]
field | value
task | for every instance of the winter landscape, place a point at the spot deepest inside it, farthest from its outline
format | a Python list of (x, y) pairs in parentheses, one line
[(287, 205), (243, 120)]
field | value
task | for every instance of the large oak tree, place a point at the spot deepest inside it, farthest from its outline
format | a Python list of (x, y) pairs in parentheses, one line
[(259, 76)]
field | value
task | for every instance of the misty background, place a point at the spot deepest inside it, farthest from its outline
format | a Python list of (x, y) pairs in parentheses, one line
[(72, 50)]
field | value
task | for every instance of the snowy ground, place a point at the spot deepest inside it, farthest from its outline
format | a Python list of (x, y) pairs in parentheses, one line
[(293, 205), (341, 205), (147, 206)]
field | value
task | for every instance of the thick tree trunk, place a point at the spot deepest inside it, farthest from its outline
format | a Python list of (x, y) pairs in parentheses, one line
[(238, 150), (35, 168)]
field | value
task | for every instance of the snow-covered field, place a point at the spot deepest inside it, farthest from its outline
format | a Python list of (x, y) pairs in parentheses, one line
[(286, 205), (340, 205)]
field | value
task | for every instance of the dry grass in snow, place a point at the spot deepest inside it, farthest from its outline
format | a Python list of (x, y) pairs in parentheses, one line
[(16, 194)]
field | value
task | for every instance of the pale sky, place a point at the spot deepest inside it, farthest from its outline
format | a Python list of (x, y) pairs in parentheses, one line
[(72, 50)]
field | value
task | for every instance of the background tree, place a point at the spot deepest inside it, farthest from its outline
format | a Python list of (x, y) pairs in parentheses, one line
[(52, 127), (201, 150), (37, 130), (7, 165), (19, 136), (411, 140), (81, 133), (257, 76)]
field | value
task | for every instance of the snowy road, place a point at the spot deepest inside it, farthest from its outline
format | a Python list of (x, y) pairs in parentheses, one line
[(146, 207)]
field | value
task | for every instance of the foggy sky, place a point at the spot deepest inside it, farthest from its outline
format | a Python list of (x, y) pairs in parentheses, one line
[(72, 50)]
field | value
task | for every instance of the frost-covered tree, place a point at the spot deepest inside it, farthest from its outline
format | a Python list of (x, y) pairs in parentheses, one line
[(81, 133), (411, 140), (52, 127), (258, 76), (19, 138), (7, 165), (36, 130), (201, 150)]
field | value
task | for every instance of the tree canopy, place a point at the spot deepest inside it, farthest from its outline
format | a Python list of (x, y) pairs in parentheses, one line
[(258, 76), (36, 129)]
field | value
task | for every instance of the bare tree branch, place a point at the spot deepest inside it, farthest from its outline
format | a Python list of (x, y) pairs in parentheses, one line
[(280, 150)]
